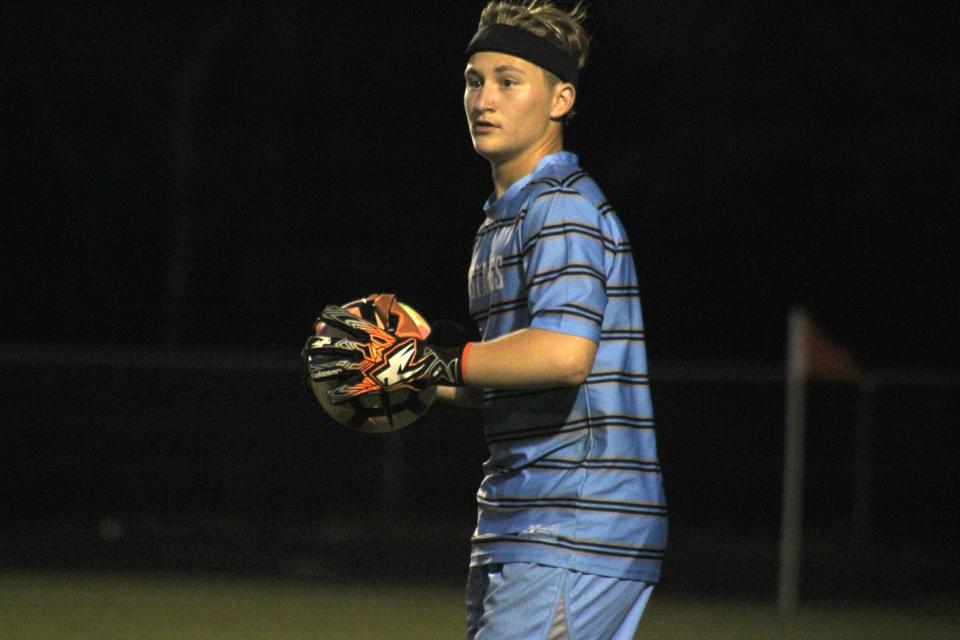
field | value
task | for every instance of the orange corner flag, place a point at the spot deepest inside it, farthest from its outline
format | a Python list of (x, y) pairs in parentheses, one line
[(811, 353), (827, 359)]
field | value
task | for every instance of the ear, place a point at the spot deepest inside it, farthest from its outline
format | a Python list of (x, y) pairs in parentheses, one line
[(564, 95)]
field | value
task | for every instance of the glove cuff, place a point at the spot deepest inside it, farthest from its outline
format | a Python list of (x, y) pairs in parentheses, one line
[(463, 363), (447, 365)]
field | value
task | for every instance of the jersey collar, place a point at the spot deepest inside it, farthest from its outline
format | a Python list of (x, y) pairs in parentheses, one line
[(495, 208)]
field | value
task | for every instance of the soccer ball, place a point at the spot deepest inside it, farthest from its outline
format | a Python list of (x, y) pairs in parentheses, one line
[(383, 412)]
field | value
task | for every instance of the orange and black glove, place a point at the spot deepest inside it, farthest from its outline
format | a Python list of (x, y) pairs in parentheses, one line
[(371, 359)]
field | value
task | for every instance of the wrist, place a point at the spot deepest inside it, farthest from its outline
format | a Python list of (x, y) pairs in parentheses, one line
[(446, 366)]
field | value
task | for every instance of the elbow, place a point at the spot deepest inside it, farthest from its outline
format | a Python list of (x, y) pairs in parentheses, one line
[(576, 369), (576, 377)]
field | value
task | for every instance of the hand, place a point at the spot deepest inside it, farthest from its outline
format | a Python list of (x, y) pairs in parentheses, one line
[(381, 360)]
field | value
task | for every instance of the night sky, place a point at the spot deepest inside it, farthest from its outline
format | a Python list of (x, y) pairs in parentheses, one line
[(214, 175)]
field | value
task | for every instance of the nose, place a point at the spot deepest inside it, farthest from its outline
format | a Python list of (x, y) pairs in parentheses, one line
[(484, 99)]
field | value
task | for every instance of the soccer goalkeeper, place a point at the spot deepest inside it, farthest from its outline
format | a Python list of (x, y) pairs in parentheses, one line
[(571, 525)]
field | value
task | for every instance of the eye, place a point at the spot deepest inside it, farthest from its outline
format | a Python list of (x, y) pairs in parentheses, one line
[(507, 82), (473, 83)]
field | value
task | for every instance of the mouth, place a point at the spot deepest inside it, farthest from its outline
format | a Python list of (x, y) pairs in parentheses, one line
[(483, 126)]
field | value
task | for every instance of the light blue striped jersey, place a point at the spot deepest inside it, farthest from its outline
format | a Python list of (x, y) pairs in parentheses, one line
[(573, 478)]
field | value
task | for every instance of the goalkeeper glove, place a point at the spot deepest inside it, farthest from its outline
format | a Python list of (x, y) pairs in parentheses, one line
[(381, 360)]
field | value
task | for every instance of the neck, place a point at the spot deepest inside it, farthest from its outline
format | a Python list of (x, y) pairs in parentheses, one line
[(508, 171)]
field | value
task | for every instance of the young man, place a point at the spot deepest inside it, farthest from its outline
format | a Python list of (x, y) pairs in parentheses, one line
[(571, 524)]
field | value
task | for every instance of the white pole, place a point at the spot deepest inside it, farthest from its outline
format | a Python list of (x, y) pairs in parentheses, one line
[(791, 520)]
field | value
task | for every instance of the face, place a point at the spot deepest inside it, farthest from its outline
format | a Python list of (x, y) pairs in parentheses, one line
[(508, 105)]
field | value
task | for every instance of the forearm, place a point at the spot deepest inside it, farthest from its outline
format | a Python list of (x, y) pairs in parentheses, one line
[(529, 358)]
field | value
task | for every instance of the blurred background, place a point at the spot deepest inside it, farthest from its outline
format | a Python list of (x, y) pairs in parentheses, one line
[(183, 189)]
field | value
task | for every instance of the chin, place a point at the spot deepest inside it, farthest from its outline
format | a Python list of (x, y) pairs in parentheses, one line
[(483, 147), (488, 151)]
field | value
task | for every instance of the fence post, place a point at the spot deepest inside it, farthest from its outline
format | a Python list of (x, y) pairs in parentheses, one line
[(862, 534), (791, 520)]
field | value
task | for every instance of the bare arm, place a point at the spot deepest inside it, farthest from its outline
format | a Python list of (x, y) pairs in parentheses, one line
[(525, 359), (529, 358)]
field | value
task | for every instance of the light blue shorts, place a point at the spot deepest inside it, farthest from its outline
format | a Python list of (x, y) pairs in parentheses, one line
[(523, 601)]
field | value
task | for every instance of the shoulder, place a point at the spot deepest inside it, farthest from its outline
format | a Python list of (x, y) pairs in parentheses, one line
[(563, 193), (564, 177)]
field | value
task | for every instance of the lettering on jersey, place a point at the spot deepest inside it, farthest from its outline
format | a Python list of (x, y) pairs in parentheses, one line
[(541, 531), (486, 276)]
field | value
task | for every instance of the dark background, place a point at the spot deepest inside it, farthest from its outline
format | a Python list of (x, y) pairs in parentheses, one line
[(214, 175), (208, 177)]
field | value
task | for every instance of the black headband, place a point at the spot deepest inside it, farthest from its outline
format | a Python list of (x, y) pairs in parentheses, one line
[(529, 46)]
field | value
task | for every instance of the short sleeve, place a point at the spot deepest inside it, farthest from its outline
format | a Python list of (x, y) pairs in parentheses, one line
[(563, 259)]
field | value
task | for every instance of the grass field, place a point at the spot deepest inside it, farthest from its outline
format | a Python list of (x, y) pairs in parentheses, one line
[(68, 606)]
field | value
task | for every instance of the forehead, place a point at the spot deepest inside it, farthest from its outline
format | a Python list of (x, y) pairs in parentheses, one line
[(487, 62)]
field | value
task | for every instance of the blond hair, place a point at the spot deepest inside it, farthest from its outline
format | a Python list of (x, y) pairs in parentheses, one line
[(544, 19)]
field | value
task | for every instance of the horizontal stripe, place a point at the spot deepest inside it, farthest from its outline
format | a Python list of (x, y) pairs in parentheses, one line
[(489, 227), (618, 420), (500, 307), (533, 432), (608, 245), (570, 310), (608, 421), (511, 261), (605, 208), (624, 376), (568, 228), (632, 383), (623, 289), (635, 383), (571, 544), (569, 225), (580, 504), (569, 270), (623, 335), (650, 466)]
